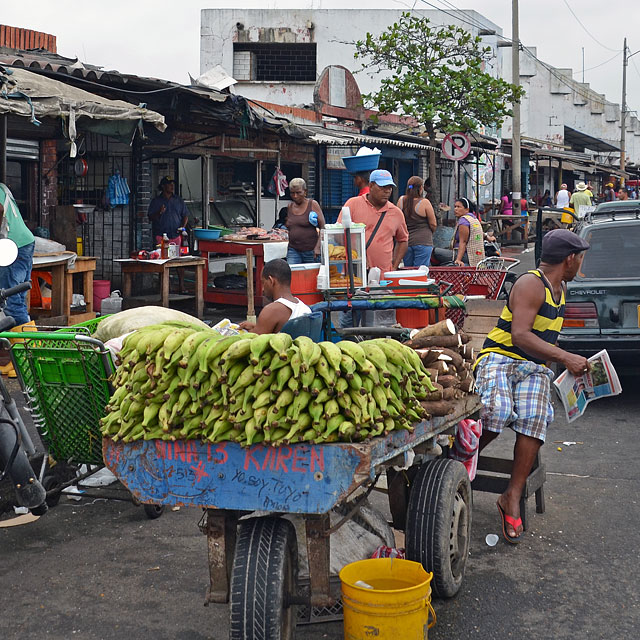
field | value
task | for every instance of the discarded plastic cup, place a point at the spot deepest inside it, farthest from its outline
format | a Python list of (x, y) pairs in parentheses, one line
[(492, 539)]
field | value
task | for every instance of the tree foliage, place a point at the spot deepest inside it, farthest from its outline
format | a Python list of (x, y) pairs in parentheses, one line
[(435, 74)]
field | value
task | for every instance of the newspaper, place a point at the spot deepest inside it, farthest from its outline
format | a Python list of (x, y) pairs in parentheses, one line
[(576, 392)]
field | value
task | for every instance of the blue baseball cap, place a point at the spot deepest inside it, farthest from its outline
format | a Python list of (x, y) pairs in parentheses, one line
[(382, 178)]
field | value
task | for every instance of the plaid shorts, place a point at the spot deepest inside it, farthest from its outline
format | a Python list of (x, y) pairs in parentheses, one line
[(515, 394)]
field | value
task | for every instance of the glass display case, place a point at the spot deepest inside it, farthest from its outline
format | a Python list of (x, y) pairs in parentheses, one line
[(334, 255)]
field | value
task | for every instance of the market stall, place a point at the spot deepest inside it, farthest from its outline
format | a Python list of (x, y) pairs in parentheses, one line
[(265, 248), (269, 426)]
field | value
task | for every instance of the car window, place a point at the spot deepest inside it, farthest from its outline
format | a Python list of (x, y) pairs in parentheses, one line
[(614, 252)]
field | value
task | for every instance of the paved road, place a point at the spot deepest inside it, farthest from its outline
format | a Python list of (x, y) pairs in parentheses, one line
[(98, 570)]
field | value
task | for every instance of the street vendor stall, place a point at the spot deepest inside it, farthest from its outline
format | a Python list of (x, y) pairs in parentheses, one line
[(238, 440), (263, 251)]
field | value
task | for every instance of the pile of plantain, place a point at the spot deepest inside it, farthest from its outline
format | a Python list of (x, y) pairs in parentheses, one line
[(185, 382)]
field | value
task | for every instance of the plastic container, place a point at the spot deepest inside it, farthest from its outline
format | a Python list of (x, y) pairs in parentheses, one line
[(101, 290), (207, 234), (419, 318), (223, 230), (304, 282), (112, 304), (398, 605), (368, 162)]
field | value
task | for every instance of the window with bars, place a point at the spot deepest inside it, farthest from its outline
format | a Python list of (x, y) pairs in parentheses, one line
[(274, 61)]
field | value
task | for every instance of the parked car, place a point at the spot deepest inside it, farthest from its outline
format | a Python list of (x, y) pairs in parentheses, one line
[(603, 301)]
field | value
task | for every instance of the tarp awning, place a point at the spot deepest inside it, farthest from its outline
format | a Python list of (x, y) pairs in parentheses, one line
[(34, 96)]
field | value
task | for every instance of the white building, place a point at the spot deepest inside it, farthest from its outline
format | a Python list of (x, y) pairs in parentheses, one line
[(564, 115), (278, 55)]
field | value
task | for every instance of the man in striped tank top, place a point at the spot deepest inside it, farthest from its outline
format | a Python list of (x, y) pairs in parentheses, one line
[(512, 378)]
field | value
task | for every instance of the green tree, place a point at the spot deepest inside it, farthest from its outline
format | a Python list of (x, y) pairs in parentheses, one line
[(437, 75)]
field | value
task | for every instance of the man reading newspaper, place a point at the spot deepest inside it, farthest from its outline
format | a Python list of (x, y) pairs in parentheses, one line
[(512, 378)]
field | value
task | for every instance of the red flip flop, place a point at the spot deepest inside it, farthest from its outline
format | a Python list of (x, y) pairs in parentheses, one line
[(514, 522)]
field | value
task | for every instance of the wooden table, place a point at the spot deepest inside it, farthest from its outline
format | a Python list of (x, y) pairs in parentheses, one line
[(57, 265), (84, 265), (517, 223), (234, 296), (129, 267)]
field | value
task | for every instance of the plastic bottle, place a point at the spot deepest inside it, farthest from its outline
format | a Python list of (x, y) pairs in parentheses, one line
[(374, 277), (164, 246), (184, 244)]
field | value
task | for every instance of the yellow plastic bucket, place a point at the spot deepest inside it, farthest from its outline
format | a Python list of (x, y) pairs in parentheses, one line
[(398, 607)]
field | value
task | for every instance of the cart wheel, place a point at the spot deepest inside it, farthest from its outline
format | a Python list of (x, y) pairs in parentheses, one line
[(153, 511), (439, 523), (50, 483), (263, 579)]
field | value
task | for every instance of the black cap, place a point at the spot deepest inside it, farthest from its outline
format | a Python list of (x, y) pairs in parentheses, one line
[(165, 180), (560, 243)]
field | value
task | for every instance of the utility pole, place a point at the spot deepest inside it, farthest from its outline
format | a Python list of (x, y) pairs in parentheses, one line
[(623, 114), (515, 138)]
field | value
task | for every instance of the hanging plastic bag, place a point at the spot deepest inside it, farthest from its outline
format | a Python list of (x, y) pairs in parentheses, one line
[(465, 445), (278, 183), (117, 190)]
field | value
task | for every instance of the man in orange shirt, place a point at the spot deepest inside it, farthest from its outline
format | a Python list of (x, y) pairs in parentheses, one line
[(385, 224), (373, 208)]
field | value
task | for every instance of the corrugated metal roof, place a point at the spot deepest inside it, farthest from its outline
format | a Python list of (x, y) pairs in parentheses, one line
[(339, 138)]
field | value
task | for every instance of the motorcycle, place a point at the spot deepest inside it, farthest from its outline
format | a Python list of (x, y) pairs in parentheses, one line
[(16, 446)]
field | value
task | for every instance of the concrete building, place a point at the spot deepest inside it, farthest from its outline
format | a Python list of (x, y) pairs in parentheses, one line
[(278, 55), (574, 127)]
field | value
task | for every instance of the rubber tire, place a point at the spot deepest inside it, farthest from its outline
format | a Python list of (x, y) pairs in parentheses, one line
[(49, 483), (438, 529), (153, 511), (263, 575)]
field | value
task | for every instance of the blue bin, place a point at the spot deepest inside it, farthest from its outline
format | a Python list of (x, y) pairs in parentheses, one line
[(207, 234), (355, 164)]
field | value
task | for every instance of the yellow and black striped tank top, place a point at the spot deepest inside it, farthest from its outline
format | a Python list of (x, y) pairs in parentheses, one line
[(546, 326)]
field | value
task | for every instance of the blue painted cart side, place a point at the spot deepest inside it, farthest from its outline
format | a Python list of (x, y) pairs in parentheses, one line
[(299, 478)]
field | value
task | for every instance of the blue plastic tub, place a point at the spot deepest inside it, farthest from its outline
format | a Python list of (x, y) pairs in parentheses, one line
[(207, 234), (355, 164)]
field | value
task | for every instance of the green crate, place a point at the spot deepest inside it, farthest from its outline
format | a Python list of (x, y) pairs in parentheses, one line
[(66, 383)]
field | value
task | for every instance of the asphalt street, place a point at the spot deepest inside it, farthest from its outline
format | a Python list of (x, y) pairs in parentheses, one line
[(98, 569)]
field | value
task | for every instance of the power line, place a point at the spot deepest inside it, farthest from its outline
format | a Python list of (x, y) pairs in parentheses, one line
[(598, 65), (548, 67), (587, 30)]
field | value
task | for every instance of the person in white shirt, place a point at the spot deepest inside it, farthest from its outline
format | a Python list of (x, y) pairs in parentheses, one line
[(276, 284), (562, 197)]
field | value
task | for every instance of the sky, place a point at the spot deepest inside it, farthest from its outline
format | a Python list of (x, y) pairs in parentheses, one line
[(161, 38)]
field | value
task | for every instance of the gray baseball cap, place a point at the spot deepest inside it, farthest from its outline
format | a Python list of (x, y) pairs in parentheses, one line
[(561, 243)]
